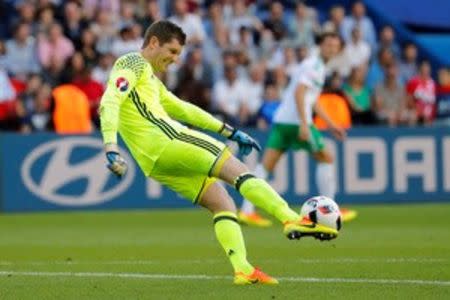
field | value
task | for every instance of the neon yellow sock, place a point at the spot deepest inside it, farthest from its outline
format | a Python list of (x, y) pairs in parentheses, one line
[(260, 193), (229, 235)]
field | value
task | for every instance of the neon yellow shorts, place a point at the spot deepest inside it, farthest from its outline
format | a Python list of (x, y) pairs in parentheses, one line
[(190, 165)]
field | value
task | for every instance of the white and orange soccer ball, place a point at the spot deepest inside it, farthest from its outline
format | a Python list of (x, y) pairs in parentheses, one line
[(322, 210)]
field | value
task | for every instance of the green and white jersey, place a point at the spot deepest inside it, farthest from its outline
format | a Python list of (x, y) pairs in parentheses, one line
[(138, 106), (311, 72)]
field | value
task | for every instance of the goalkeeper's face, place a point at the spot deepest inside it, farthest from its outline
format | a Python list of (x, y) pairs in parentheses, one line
[(166, 54)]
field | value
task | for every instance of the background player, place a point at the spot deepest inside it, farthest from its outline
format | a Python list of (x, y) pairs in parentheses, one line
[(293, 128), (138, 106)]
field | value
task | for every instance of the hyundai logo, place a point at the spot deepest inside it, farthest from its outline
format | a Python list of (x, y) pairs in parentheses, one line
[(62, 172)]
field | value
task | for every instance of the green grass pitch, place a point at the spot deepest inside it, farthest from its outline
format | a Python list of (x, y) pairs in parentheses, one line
[(389, 252)]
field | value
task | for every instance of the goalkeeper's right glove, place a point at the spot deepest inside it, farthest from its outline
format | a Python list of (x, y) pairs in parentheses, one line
[(116, 164), (245, 142)]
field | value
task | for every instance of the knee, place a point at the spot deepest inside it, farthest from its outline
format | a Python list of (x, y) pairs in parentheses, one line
[(217, 199), (241, 179), (227, 204), (221, 205), (324, 157)]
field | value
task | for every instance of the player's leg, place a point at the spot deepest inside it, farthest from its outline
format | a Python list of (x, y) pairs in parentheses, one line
[(185, 167), (276, 145), (255, 189), (325, 172), (260, 193), (248, 214), (228, 232)]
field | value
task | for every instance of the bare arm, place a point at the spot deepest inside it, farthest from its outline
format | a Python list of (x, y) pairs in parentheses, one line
[(322, 114), (304, 132), (300, 101), (338, 132)]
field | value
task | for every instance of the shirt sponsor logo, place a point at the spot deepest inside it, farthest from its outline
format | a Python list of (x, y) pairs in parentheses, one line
[(122, 84)]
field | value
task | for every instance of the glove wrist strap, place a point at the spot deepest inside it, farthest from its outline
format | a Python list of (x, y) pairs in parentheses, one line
[(110, 147), (227, 130)]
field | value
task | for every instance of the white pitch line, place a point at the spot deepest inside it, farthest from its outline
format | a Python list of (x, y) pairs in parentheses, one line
[(219, 277), (343, 260)]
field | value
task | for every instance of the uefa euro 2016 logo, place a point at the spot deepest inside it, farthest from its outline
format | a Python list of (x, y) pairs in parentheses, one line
[(122, 84)]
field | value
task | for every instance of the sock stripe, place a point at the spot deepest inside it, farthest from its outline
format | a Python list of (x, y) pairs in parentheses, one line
[(241, 179), (221, 218)]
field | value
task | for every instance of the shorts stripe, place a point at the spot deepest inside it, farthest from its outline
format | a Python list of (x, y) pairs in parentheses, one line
[(201, 141), (199, 144), (169, 130)]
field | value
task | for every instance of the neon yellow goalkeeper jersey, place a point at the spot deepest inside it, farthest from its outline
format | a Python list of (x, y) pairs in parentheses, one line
[(138, 106)]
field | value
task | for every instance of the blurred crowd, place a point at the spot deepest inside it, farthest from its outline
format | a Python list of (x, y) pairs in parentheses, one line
[(236, 64)]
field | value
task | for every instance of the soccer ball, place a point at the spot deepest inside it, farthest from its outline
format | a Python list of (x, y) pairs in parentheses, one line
[(322, 210)]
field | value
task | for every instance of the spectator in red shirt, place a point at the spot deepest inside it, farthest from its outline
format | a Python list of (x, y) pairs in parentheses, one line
[(421, 90), (92, 89)]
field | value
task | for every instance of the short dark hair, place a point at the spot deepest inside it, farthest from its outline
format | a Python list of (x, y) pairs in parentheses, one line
[(165, 31), (409, 44), (328, 34)]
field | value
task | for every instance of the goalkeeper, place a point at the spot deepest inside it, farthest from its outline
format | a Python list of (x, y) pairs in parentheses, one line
[(138, 106)]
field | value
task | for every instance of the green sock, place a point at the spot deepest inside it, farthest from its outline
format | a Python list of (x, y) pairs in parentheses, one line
[(260, 193), (229, 235)]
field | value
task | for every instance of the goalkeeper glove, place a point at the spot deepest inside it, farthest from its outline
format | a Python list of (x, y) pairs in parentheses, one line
[(116, 164), (245, 142)]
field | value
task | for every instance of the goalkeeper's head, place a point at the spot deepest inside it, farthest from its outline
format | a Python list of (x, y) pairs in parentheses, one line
[(163, 42)]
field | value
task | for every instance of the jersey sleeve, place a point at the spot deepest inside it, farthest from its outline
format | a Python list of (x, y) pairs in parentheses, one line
[(123, 78), (306, 75), (187, 112)]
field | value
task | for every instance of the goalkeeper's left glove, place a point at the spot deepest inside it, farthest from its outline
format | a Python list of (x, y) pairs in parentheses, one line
[(245, 142), (116, 164)]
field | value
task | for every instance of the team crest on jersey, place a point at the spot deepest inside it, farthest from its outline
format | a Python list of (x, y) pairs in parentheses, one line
[(122, 84)]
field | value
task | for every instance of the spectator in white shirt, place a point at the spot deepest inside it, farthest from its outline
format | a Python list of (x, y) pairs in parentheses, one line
[(228, 96), (105, 28), (290, 60), (357, 50), (127, 14), (190, 23), (337, 15), (100, 73), (254, 92), (241, 18), (90, 7), (359, 18), (303, 26), (21, 56), (7, 92), (126, 42), (340, 63)]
